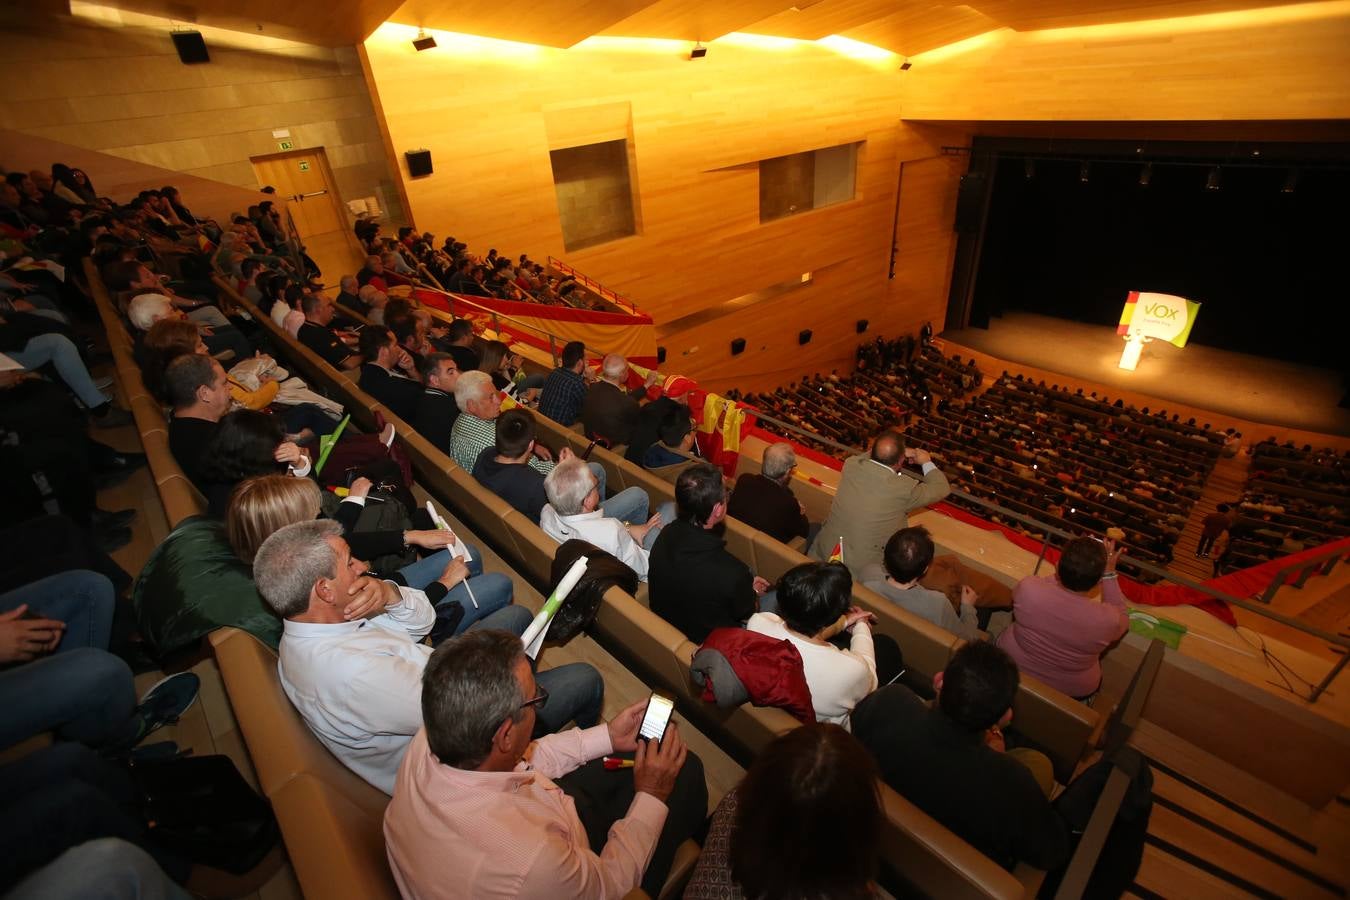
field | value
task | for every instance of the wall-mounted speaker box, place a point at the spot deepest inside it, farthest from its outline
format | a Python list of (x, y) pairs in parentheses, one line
[(191, 47), (660, 355), (804, 337), (419, 162), (737, 346)]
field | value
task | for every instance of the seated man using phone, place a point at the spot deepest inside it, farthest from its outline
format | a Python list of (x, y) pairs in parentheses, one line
[(477, 811)]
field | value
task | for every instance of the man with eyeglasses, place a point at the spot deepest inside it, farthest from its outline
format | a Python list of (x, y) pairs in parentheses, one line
[(482, 810), (437, 410), (352, 651)]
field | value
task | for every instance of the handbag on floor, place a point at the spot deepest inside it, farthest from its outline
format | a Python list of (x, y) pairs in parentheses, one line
[(200, 808)]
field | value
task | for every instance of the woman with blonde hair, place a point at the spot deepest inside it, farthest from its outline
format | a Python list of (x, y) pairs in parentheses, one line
[(264, 504)]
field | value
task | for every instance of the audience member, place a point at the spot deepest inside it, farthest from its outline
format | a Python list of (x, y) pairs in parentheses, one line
[(574, 512), (874, 498), (696, 584), (675, 396), (765, 501), (949, 760), (1059, 632), (351, 655), (906, 559), (565, 388), (316, 334), (476, 797), (349, 295), (504, 467), (199, 393), (245, 443), (804, 822), (436, 410), (1213, 525), (610, 410), (459, 344), (388, 374), (813, 606)]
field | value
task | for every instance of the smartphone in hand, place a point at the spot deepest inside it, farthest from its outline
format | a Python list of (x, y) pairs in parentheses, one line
[(656, 718)]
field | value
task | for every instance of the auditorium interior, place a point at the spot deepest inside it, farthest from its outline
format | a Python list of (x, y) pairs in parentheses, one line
[(832, 218)]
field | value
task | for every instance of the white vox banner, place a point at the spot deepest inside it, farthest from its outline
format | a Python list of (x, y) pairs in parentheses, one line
[(1161, 316)]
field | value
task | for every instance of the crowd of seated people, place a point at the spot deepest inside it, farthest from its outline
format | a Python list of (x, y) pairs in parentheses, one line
[(895, 382), (414, 258), (1295, 498), (404, 657)]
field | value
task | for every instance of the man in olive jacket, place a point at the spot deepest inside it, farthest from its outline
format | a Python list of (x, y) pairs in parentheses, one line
[(874, 500)]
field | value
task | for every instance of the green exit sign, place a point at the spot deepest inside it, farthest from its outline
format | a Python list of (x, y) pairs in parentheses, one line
[(304, 165), (285, 145)]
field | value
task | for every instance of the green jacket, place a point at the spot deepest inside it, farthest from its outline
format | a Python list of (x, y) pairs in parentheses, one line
[(193, 584)]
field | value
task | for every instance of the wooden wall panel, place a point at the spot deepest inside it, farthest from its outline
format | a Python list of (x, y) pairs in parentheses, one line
[(699, 129), (118, 87), (1289, 62)]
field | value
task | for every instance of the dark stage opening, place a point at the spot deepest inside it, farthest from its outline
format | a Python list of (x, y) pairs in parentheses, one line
[(1257, 234)]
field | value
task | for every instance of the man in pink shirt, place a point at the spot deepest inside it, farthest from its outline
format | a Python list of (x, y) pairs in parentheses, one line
[(1059, 633), (476, 812)]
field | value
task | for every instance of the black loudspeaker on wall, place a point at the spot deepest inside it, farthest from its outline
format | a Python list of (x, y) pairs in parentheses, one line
[(419, 162), (970, 202), (191, 47)]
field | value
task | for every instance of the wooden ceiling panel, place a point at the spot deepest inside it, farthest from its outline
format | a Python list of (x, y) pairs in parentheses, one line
[(1030, 15), (922, 26), (558, 23), (811, 21), (696, 20), (332, 23)]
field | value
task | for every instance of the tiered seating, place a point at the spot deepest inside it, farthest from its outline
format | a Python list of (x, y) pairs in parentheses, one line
[(892, 384), (939, 862), (1293, 499), (1074, 462)]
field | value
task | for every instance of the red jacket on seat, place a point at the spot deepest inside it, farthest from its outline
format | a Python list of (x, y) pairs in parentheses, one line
[(735, 665)]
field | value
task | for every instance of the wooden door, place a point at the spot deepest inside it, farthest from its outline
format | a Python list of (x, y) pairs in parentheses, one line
[(305, 185)]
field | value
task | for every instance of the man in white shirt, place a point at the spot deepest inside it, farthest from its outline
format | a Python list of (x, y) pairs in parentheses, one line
[(351, 656), (573, 511)]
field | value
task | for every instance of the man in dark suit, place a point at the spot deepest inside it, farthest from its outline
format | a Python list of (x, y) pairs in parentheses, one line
[(874, 499), (610, 410), (388, 374), (436, 408), (765, 501), (695, 583)]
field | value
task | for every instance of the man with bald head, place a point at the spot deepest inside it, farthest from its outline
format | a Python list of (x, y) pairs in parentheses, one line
[(349, 295), (610, 410), (874, 499)]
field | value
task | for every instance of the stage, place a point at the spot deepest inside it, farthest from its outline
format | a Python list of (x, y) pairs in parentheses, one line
[(1238, 385)]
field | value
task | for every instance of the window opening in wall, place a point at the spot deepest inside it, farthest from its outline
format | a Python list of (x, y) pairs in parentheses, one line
[(595, 193), (794, 184)]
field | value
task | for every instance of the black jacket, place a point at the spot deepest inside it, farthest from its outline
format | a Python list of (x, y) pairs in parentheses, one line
[(400, 395), (988, 799), (435, 416), (695, 584), (768, 506), (516, 483)]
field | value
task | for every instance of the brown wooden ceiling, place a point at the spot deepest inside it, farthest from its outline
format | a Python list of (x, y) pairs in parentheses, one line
[(902, 26)]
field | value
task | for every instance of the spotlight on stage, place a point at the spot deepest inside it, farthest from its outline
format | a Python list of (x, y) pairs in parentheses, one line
[(1146, 174), (422, 42), (1084, 171), (1290, 182), (699, 51), (1215, 180)]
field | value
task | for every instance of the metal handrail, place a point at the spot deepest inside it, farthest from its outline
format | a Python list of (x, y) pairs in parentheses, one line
[(1051, 530), (1327, 559), (555, 341)]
